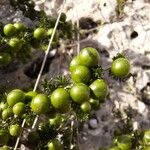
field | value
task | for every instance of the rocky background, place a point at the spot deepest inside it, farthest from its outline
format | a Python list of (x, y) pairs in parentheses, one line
[(110, 33)]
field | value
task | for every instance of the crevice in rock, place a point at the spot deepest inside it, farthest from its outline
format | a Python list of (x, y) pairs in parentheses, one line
[(134, 34), (146, 67), (87, 23), (32, 70)]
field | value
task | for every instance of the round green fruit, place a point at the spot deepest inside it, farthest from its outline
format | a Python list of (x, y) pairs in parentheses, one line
[(60, 99), (75, 62), (85, 107), (9, 30), (50, 31), (49, 34), (30, 95), (3, 106), (6, 113), (80, 93), (15, 130), (81, 74), (5, 59), (99, 89), (39, 33), (54, 145), (89, 57), (124, 142), (40, 104), (120, 67), (94, 103), (146, 136), (19, 26), (114, 148), (15, 44), (15, 96), (56, 121), (19, 109)]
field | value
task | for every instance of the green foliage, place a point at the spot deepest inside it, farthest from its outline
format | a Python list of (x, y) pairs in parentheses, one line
[(134, 140), (49, 86), (56, 102), (17, 42), (25, 34)]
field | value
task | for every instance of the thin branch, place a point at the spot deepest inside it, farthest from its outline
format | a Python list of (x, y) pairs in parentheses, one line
[(41, 70)]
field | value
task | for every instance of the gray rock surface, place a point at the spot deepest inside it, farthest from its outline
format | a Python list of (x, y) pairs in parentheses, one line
[(114, 35)]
